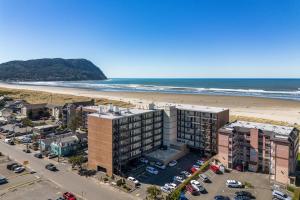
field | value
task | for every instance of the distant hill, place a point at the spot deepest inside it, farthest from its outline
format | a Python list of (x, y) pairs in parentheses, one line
[(56, 69)]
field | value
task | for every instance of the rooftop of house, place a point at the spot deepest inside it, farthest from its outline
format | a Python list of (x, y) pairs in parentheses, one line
[(280, 131), (45, 126), (67, 139), (34, 106), (113, 112)]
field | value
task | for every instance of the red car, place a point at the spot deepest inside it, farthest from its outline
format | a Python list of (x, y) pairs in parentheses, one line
[(215, 169), (192, 190), (193, 170), (69, 196)]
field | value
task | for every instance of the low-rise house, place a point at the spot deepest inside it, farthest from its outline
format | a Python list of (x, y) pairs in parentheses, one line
[(65, 146), (35, 111), (69, 110), (6, 112), (45, 130), (15, 105), (12, 130), (55, 111)]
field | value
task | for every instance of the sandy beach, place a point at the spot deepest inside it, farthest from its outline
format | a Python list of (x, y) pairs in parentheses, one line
[(272, 109)]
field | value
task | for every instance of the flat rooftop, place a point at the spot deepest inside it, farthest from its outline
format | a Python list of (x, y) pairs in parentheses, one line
[(278, 130), (200, 108), (115, 112)]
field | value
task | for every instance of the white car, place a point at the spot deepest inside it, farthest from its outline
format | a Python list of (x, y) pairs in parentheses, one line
[(160, 165), (200, 162), (234, 184), (19, 169), (178, 179), (173, 163), (166, 189), (280, 195), (194, 182), (196, 167), (186, 174), (172, 186), (133, 180), (144, 160), (152, 170)]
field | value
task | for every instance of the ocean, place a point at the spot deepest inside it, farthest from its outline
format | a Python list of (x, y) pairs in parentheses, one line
[(267, 88)]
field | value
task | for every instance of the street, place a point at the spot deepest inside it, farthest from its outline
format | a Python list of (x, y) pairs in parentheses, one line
[(81, 186)]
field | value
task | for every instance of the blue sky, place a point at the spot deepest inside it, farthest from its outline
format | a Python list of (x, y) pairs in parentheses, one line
[(158, 38)]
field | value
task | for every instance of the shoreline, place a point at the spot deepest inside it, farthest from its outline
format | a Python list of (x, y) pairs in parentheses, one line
[(256, 107)]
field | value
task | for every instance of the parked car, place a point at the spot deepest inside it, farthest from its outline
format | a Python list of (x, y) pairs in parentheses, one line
[(152, 170), (215, 169), (185, 173), (204, 178), (173, 163), (244, 193), (200, 162), (60, 198), (160, 165), (193, 169), (69, 196), (51, 155), (220, 197), (38, 155), (27, 150), (166, 189), (15, 166), (51, 167), (171, 185), (178, 179), (241, 198), (196, 166), (234, 184), (136, 182), (198, 185), (280, 195), (19, 169), (9, 166), (3, 180), (193, 190), (144, 160)]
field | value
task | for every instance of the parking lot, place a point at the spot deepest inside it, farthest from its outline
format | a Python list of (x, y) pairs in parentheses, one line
[(260, 182), (165, 176), (25, 185)]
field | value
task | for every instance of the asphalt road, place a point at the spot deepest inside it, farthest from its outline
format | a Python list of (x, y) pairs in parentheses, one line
[(81, 186)]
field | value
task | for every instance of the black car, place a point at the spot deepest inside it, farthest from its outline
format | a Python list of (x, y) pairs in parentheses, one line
[(9, 166), (38, 155), (51, 167), (242, 198), (244, 193), (220, 197)]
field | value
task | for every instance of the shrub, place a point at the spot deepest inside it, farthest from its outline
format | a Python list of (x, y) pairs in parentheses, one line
[(176, 193), (248, 185)]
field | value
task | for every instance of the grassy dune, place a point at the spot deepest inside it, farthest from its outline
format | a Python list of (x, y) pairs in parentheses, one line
[(60, 99), (261, 120)]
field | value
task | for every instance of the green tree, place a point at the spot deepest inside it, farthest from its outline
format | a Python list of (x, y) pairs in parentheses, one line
[(153, 192), (76, 161), (27, 122), (75, 121), (174, 195)]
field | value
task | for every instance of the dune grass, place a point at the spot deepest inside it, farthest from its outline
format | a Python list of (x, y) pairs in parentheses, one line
[(34, 97)]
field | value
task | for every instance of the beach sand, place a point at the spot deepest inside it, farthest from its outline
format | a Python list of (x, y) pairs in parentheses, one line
[(272, 109)]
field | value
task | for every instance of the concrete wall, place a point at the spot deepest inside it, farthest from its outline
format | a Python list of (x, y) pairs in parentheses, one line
[(282, 163), (100, 144), (170, 125), (223, 147)]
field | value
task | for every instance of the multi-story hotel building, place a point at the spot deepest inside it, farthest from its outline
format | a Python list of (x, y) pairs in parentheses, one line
[(260, 148), (116, 136), (197, 126)]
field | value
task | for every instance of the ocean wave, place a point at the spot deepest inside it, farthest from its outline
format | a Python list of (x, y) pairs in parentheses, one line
[(107, 86)]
